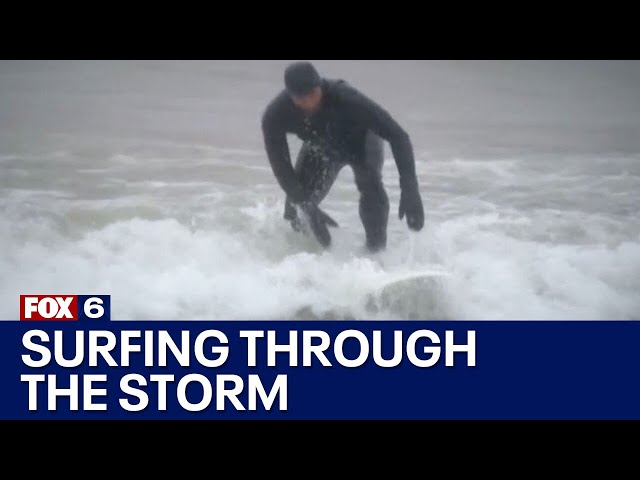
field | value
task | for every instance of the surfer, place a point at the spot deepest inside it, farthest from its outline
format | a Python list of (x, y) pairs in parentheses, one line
[(339, 126)]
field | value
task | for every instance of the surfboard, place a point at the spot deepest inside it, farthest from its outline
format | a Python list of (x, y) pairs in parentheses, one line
[(413, 294), (397, 279)]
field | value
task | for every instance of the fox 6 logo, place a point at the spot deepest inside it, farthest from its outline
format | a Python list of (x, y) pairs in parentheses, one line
[(65, 307)]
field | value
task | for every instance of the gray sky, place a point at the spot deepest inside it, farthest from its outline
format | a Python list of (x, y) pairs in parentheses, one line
[(465, 106)]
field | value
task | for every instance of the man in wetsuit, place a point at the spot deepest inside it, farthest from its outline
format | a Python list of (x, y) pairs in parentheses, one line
[(339, 126)]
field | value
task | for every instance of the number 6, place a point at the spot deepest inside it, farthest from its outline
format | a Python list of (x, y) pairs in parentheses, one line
[(93, 304)]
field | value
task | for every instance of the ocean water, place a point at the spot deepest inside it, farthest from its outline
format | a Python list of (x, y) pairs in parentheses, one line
[(148, 181)]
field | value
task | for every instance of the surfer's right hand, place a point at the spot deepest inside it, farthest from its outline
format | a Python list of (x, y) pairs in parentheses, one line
[(314, 209), (319, 222)]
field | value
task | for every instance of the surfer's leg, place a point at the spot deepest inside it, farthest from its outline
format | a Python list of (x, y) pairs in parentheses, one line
[(317, 171), (374, 202)]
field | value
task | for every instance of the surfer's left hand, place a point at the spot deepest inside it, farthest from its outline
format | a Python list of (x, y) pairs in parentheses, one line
[(411, 206)]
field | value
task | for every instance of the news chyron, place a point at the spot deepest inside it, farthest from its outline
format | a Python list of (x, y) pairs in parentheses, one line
[(64, 308)]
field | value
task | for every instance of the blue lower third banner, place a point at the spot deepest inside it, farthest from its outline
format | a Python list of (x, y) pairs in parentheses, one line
[(320, 370)]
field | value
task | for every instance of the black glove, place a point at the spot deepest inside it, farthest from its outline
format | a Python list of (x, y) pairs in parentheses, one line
[(318, 222), (411, 206), (298, 195)]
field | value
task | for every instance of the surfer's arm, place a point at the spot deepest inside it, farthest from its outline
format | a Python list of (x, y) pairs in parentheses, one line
[(378, 120), (277, 147)]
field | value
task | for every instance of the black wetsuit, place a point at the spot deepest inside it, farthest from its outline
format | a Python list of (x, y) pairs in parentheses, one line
[(348, 129)]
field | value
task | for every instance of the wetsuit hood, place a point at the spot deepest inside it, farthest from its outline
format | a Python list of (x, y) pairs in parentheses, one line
[(300, 78)]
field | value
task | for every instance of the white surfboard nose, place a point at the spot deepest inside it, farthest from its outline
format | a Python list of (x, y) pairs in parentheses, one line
[(413, 295)]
